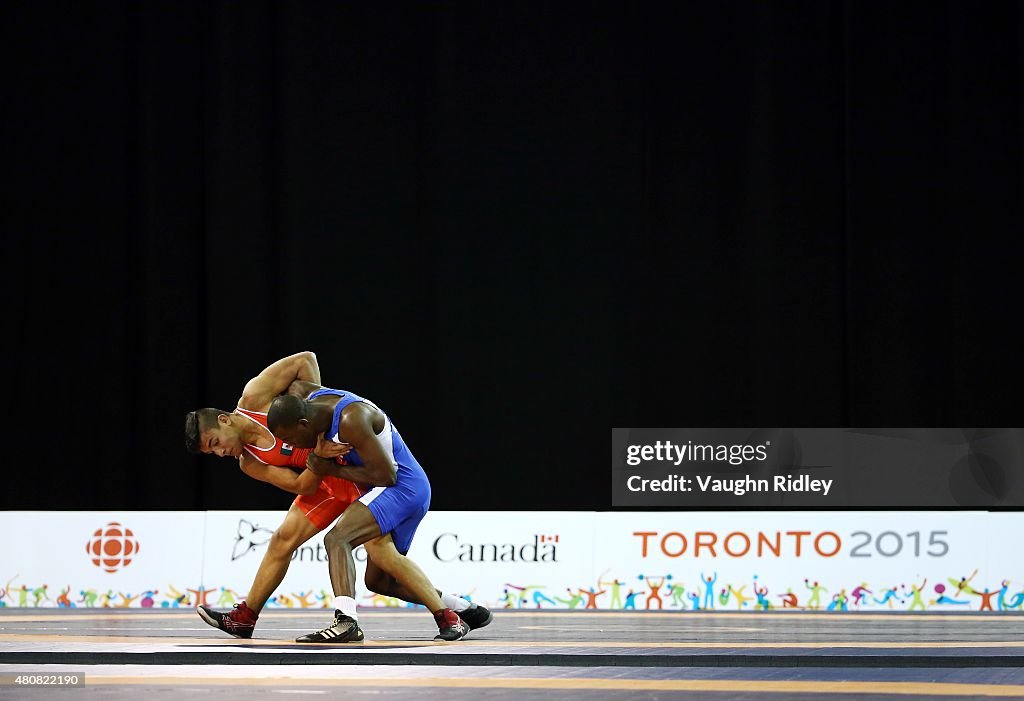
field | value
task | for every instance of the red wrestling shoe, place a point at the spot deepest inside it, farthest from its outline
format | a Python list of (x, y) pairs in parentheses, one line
[(450, 626), (239, 621)]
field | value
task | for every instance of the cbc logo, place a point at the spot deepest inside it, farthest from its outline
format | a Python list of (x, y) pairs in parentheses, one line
[(112, 547)]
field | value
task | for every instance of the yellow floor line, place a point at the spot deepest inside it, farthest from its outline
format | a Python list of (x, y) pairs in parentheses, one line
[(633, 685), (175, 642)]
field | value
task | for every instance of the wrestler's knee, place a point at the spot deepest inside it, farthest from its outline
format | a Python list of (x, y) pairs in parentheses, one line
[(382, 552), (284, 540), (378, 581), (336, 538), (373, 548)]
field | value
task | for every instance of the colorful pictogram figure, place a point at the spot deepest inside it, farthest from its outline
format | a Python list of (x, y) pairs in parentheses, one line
[(838, 602), (709, 590), (888, 596), (201, 595), (574, 600), (762, 597), (616, 585), (126, 600), (303, 598), (40, 595), (677, 590), (591, 596), (986, 599), (789, 600), (631, 599), (177, 598), (655, 587), (860, 593), (739, 595), (227, 597), (814, 602), (940, 589), (917, 604)]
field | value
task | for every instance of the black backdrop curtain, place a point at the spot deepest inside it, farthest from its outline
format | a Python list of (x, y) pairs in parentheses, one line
[(512, 225)]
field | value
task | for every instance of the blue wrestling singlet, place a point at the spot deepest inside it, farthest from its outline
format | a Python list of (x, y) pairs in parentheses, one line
[(400, 508)]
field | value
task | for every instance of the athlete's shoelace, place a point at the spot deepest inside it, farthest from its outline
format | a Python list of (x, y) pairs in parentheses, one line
[(333, 626)]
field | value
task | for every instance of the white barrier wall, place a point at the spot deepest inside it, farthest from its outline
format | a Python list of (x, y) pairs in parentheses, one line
[(878, 561)]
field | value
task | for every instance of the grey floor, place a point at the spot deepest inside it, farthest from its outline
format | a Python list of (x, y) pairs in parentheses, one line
[(563, 655)]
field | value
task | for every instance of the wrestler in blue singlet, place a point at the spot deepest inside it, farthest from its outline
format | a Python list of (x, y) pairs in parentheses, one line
[(398, 509)]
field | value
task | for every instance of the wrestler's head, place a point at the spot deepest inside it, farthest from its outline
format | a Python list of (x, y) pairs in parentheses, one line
[(214, 432), (289, 419)]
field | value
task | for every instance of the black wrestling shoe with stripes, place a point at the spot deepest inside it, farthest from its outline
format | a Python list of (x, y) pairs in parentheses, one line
[(344, 630), (476, 616)]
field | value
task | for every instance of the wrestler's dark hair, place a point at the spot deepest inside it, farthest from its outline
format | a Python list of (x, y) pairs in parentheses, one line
[(285, 410), (195, 423)]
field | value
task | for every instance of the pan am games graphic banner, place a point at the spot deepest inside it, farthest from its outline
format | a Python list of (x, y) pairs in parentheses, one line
[(688, 561)]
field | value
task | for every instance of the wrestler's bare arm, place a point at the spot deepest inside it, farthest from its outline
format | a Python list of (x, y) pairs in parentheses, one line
[(305, 482), (303, 388), (356, 429), (277, 378)]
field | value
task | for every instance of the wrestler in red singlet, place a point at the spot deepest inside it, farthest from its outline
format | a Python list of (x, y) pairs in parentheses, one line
[(334, 494)]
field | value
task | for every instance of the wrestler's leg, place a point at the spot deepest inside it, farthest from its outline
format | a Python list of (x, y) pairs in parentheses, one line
[(289, 536)]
